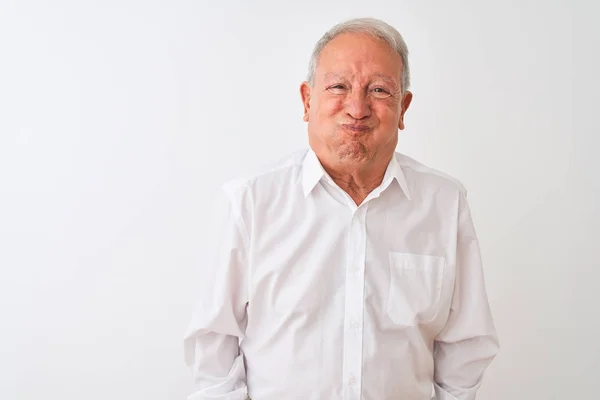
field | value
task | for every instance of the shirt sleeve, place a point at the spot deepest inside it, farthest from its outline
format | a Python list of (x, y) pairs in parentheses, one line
[(468, 343), (218, 323)]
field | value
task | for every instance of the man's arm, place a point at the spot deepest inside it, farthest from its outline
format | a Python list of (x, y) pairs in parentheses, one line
[(211, 344), (468, 343)]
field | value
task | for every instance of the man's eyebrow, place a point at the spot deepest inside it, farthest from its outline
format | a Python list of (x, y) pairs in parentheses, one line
[(332, 75), (386, 78)]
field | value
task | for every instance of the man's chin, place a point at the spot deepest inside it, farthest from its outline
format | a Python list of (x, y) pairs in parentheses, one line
[(352, 154)]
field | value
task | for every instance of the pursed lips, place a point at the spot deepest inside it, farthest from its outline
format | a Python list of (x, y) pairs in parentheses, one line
[(358, 128)]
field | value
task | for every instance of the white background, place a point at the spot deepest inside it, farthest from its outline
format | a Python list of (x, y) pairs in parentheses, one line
[(118, 119)]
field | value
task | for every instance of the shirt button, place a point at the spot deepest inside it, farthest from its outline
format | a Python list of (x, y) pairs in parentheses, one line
[(352, 381), (354, 324)]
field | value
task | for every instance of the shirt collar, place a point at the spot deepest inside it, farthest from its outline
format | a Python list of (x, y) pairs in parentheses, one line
[(313, 172)]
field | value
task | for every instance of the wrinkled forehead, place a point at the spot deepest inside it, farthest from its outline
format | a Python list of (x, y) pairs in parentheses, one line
[(353, 56)]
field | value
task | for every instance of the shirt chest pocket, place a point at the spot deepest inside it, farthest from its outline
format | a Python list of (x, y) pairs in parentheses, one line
[(415, 288)]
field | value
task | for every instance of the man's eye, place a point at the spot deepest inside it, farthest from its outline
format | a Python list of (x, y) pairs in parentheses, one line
[(337, 89), (381, 93)]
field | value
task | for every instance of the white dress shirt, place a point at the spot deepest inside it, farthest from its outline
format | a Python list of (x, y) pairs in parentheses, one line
[(307, 296)]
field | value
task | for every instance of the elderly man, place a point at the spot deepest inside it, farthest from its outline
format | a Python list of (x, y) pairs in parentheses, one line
[(349, 271)]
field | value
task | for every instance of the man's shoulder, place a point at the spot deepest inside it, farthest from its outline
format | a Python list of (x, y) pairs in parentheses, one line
[(423, 173), (284, 169)]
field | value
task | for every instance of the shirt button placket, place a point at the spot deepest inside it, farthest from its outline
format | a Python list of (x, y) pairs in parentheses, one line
[(353, 336)]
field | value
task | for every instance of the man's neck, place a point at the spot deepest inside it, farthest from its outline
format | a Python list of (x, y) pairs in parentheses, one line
[(358, 182)]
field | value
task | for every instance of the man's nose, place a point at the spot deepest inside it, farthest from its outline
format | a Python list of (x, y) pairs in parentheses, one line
[(357, 105)]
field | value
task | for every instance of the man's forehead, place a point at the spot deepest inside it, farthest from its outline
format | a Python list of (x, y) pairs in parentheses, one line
[(347, 74)]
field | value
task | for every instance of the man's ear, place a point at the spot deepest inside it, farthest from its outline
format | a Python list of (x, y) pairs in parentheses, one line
[(405, 103), (305, 94)]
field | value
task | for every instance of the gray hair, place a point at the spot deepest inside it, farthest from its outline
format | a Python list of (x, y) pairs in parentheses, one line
[(370, 26)]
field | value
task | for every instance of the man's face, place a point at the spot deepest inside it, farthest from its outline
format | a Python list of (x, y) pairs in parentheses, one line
[(355, 106)]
